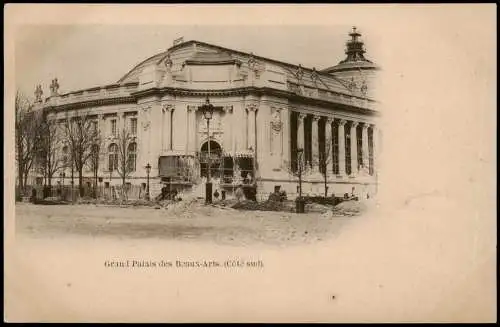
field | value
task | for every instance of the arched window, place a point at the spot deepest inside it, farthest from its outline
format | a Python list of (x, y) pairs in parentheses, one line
[(65, 157), (132, 156), (113, 157)]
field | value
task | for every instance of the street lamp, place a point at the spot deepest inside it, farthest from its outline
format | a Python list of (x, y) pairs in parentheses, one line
[(148, 170), (208, 110), (300, 151), (299, 202)]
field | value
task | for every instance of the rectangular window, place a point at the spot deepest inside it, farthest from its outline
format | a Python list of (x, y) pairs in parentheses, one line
[(348, 151), (335, 136), (113, 161), (113, 127), (359, 142), (370, 151), (133, 126), (131, 162)]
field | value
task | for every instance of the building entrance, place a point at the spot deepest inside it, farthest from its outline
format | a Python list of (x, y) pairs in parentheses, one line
[(215, 159)]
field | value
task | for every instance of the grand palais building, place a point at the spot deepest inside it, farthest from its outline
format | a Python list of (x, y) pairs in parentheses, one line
[(267, 114)]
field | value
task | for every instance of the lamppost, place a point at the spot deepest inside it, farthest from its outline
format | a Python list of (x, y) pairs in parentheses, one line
[(148, 170), (300, 204), (300, 151), (208, 110), (102, 188), (110, 192)]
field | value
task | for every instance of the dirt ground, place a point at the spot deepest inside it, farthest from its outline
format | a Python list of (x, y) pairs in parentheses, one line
[(182, 220)]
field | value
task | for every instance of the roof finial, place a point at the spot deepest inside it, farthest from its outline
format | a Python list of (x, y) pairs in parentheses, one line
[(355, 51)]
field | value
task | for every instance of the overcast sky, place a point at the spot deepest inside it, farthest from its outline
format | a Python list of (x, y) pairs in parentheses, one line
[(92, 55)]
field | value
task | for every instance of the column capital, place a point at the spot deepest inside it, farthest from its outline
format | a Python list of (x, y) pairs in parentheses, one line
[(192, 108), (354, 124), (252, 107), (302, 115), (366, 125), (228, 109), (329, 120), (168, 107), (316, 118), (342, 122)]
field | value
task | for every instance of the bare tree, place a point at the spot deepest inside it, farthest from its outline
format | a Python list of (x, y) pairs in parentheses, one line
[(94, 160), (298, 167), (27, 122), (126, 160), (81, 134), (325, 158), (49, 150)]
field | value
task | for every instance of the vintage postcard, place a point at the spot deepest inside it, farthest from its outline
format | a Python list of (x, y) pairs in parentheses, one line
[(250, 163)]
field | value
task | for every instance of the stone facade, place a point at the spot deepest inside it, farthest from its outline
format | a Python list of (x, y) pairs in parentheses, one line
[(264, 111)]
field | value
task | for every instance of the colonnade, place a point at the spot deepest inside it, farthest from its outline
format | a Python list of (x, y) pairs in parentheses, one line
[(344, 159)]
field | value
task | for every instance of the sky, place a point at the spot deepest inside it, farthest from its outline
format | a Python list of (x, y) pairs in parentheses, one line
[(92, 55)]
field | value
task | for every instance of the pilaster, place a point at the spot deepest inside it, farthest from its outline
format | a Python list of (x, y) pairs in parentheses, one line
[(341, 138)]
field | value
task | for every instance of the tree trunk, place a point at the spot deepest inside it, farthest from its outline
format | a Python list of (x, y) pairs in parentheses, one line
[(123, 188), (326, 190), (20, 178), (26, 172), (80, 181), (95, 184)]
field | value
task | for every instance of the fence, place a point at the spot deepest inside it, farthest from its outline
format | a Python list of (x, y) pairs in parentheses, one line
[(69, 193)]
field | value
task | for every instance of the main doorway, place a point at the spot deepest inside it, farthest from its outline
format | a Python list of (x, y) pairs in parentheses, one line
[(215, 159)]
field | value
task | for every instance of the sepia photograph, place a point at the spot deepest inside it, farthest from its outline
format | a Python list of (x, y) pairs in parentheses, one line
[(218, 169)]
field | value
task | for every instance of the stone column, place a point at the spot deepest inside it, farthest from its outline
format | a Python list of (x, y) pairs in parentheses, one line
[(315, 143), (375, 131), (228, 128), (341, 137), (300, 131), (191, 129), (364, 142), (285, 151), (121, 124), (329, 142), (167, 127), (239, 120), (354, 149), (143, 136), (252, 110)]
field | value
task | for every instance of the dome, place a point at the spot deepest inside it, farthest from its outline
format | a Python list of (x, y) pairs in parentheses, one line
[(132, 75), (210, 58), (355, 59)]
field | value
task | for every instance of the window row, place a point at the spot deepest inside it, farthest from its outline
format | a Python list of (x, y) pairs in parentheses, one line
[(114, 156)]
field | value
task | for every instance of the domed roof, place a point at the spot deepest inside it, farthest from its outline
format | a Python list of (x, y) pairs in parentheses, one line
[(131, 76), (210, 58), (355, 56)]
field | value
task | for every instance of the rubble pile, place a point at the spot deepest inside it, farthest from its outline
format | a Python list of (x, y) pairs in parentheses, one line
[(349, 208), (262, 206)]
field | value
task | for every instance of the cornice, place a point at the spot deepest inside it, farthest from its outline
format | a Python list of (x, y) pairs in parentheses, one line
[(242, 91), (91, 103)]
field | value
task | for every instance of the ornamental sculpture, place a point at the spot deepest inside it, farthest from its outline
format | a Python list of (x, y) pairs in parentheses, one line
[(54, 87), (314, 76), (352, 85), (276, 123), (38, 93), (299, 74), (364, 88), (168, 62)]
